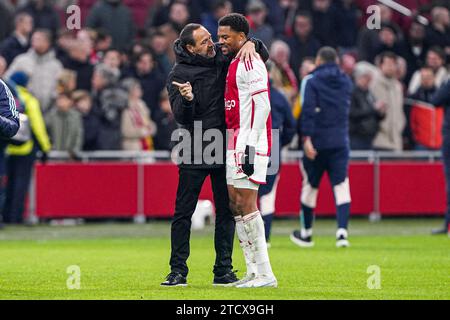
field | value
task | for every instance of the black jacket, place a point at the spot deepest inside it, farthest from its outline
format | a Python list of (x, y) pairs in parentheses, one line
[(11, 48), (364, 119), (207, 77)]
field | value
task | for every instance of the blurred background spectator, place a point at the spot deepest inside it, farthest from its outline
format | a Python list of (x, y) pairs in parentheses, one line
[(21, 157), (137, 128), (128, 39)]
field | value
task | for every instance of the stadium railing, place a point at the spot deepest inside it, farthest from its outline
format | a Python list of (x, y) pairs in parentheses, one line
[(378, 167)]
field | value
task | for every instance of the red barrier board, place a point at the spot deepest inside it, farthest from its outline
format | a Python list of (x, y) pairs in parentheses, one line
[(412, 188), (111, 189), (86, 190)]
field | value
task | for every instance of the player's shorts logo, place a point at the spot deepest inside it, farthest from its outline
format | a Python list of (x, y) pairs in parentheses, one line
[(229, 104)]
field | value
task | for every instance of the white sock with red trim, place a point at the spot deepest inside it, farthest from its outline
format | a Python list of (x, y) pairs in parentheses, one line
[(246, 247), (254, 227)]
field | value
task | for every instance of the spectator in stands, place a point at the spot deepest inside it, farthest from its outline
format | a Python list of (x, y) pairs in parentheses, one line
[(67, 81), (40, 63), (303, 43), (21, 157), (161, 48), (63, 40), (18, 42), (424, 93), (64, 125), (286, 82), (438, 32), (137, 128), (109, 102), (415, 48), (160, 12), (113, 58), (368, 39), (210, 20), (388, 40), (77, 60), (324, 22), (436, 61), (91, 121), (166, 125), (97, 41), (365, 112), (115, 18), (308, 65), (427, 86), (289, 9), (346, 25), (347, 63), (151, 80), (179, 15), (6, 21), (387, 89), (256, 16), (44, 15)]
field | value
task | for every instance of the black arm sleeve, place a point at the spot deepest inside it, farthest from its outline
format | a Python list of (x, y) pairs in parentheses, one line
[(182, 109), (261, 48)]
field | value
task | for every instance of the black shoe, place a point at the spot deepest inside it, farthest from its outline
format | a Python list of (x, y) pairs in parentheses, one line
[(439, 231), (227, 280), (175, 279), (296, 237)]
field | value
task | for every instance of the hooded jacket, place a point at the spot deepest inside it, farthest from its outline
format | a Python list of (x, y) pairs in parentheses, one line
[(326, 95), (207, 77)]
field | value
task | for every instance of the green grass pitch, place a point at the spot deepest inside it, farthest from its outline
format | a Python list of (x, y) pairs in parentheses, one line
[(127, 261)]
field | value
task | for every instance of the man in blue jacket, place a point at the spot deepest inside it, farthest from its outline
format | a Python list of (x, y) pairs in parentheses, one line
[(326, 96), (9, 125), (442, 98), (9, 117)]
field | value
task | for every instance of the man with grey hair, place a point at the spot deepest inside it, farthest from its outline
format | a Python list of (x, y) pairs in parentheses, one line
[(109, 100)]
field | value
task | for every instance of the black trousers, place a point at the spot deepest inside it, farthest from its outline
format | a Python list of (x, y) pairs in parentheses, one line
[(19, 170), (189, 187)]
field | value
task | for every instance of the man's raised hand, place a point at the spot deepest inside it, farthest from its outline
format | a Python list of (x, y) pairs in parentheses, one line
[(185, 90)]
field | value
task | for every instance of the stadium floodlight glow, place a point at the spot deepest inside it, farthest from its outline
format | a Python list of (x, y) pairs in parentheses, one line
[(403, 10)]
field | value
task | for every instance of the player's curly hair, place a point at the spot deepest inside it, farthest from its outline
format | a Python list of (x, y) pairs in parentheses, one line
[(237, 22)]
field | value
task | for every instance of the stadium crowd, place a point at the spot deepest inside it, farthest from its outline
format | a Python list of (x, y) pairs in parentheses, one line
[(103, 87)]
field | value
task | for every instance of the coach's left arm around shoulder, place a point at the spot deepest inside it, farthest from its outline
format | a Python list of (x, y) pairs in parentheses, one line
[(261, 48)]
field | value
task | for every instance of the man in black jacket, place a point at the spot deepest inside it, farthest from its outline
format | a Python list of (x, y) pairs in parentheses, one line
[(365, 112), (196, 88)]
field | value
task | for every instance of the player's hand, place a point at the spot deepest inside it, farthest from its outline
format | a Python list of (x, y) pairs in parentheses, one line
[(309, 149), (248, 161), (247, 52), (185, 90)]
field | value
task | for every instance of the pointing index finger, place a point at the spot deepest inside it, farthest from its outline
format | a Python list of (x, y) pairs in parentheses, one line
[(179, 85)]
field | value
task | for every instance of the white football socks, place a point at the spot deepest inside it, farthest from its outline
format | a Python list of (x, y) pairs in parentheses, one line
[(246, 246), (254, 227)]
